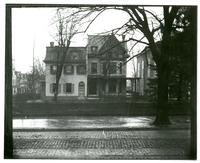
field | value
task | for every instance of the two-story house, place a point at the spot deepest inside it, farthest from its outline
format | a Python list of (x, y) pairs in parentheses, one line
[(19, 82), (106, 69), (92, 71), (73, 81)]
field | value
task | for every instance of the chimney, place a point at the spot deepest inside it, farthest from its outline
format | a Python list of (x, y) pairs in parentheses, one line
[(123, 37), (51, 44)]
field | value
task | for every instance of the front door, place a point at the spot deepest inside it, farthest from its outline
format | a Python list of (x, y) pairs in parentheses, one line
[(81, 89)]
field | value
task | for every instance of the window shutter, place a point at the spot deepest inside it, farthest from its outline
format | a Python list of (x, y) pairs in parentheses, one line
[(72, 69), (101, 68), (59, 88), (51, 67), (64, 88), (72, 88), (51, 88)]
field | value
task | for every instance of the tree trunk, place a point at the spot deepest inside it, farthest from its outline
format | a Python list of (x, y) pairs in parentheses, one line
[(56, 91), (193, 34), (162, 117)]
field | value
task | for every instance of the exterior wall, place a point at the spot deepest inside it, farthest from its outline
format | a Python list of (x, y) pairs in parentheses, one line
[(100, 80), (144, 72), (100, 67), (65, 78), (94, 60)]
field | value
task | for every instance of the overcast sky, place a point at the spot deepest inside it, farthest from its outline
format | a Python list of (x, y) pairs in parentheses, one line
[(32, 28)]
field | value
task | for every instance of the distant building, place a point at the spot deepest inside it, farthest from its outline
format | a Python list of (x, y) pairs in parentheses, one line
[(19, 83), (96, 70), (145, 70)]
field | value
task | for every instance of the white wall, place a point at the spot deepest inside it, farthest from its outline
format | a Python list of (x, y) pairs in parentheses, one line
[(74, 78)]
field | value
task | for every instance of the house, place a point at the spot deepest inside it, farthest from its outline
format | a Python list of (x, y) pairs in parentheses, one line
[(94, 71), (145, 70), (73, 81), (106, 71), (19, 83)]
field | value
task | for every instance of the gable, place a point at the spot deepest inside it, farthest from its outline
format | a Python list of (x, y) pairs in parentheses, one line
[(96, 41), (113, 49)]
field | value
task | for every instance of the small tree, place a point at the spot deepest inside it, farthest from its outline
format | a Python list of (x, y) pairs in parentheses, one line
[(35, 76)]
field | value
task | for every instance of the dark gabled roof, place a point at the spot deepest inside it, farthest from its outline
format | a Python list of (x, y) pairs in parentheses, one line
[(105, 44), (53, 54), (96, 40), (112, 43)]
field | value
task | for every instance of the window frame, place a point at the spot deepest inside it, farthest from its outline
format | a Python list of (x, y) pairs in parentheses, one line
[(68, 73), (65, 88), (52, 71), (94, 49), (91, 70), (115, 68), (111, 82), (78, 69), (52, 90)]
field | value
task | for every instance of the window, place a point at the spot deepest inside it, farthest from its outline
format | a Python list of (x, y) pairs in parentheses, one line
[(68, 69), (53, 69), (105, 68), (120, 68), (68, 88), (113, 68), (93, 68), (81, 69), (53, 88), (74, 56), (138, 69), (94, 49), (92, 87), (112, 86)]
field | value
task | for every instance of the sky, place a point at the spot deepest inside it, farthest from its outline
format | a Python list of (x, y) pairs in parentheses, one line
[(32, 31)]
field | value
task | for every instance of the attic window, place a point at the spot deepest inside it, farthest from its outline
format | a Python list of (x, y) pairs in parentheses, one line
[(53, 69), (94, 49)]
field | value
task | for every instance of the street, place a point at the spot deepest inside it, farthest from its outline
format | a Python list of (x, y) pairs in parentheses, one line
[(119, 142)]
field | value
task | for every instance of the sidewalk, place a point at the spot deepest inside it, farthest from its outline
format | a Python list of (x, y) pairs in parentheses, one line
[(98, 123)]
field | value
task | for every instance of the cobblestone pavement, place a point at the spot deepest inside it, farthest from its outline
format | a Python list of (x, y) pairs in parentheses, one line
[(138, 144)]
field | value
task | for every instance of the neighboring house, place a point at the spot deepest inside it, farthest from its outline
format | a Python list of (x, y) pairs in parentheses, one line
[(106, 71), (96, 70), (19, 83), (145, 70)]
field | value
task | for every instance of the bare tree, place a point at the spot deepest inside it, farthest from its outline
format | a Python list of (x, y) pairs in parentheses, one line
[(35, 76), (69, 22), (152, 28)]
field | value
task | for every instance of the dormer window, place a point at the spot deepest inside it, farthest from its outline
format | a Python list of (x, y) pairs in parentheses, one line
[(53, 69), (74, 56), (68, 69), (94, 49)]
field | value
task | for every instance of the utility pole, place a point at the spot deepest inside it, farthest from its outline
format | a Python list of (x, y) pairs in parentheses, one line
[(8, 139)]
